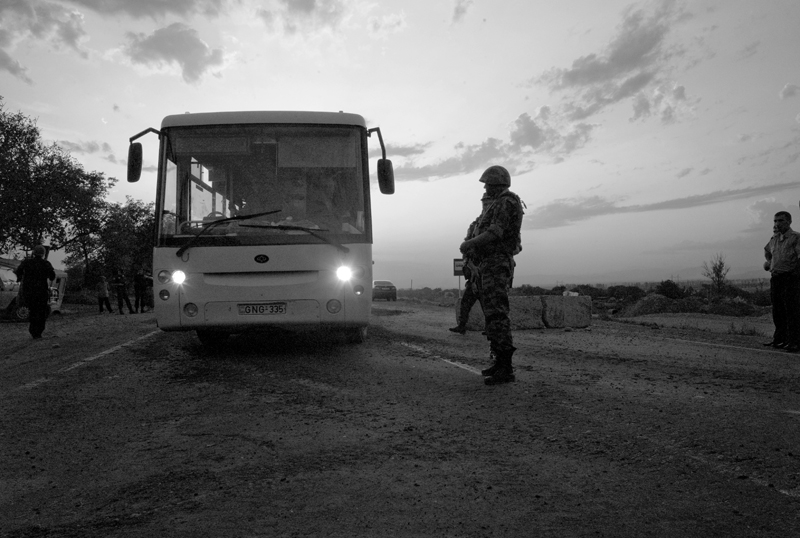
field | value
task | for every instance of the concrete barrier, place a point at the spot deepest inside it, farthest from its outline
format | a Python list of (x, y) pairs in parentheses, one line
[(538, 312)]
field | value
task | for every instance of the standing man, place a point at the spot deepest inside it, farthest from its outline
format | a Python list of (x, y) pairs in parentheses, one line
[(494, 242), (471, 277), (102, 295), (36, 274), (783, 262), (139, 290), (121, 291)]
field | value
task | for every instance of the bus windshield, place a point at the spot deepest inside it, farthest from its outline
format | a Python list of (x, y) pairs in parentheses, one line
[(272, 185)]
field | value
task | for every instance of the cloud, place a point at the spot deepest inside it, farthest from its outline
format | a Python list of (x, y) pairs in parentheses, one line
[(85, 147), (37, 20), (153, 8), (382, 27), (304, 16), (460, 10), (528, 137), (7, 63), (685, 172), (176, 43), (403, 151), (749, 50), (564, 212), (632, 66), (789, 90)]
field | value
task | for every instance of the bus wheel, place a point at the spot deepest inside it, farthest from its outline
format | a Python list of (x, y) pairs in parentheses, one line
[(211, 338), (357, 335)]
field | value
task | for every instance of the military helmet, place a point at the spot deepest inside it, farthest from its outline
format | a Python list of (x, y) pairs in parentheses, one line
[(496, 175)]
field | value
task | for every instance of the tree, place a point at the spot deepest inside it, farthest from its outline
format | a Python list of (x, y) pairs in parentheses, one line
[(717, 272), (123, 241), (45, 195), (670, 290), (626, 293)]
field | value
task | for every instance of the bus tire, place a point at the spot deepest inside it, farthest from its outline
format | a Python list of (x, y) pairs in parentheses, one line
[(211, 338), (357, 335)]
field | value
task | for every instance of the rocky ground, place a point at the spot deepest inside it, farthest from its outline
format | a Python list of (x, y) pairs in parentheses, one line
[(680, 425)]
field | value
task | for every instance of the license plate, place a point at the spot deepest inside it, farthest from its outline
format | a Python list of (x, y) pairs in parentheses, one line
[(262, 309)]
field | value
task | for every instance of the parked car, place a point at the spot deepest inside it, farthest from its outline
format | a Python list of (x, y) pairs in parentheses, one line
[(383, 289)]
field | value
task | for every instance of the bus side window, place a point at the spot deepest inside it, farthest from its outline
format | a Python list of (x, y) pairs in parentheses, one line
[(169, 211)]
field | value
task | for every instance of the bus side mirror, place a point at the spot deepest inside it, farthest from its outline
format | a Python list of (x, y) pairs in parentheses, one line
[(134, 162), (385, 176)]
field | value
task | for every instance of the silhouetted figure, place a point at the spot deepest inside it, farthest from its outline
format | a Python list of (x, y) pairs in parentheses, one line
[(121, 291), (102, 295), (36, 274)]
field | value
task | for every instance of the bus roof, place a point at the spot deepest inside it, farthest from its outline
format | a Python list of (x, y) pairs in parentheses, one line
[(262, 116)]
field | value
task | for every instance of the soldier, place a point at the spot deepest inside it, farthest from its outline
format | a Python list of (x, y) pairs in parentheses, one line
[(35, 272), (471, 278), (494, 242)]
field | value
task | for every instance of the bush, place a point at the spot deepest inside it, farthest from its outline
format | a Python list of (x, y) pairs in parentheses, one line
[(80, 296), (652, 304), (626, 294), (670, 289), (731, 308), (761, 298)]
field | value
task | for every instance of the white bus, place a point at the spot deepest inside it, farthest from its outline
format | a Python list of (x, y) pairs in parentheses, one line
[(263, 220)]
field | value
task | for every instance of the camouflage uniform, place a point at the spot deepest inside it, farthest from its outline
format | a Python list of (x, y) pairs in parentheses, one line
[(494, 242), (495, 263), (471, 275), (471, 294)]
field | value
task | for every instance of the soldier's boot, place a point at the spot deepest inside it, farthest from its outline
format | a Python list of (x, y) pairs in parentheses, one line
[(491, 369), (460, 329), (504, 373)]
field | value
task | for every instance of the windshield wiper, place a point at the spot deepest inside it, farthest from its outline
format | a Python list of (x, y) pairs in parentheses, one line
[(312, 231), (214, 223)]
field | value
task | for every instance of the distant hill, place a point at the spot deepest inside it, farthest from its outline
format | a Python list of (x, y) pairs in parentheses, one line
[(631, 277)]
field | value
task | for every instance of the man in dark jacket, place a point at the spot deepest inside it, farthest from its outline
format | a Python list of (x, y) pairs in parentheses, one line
[(36, 273), (139, 291), (783, 262), (121, 291)]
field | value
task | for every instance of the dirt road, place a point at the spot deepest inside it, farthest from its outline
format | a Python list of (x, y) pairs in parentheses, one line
[(111, 428)]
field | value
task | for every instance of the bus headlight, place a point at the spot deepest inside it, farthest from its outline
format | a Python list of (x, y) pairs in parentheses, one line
[(190, 310), (344, 273), (359, 290), (163, 276), (178, 277), (163, 295), (334, 306)]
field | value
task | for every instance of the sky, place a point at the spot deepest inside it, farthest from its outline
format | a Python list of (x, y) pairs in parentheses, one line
[(644, 138)]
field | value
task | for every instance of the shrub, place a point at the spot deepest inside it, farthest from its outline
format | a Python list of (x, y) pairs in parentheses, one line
[(670, 289), (761, 298), (80, 296), (652, 304), (731, 308)]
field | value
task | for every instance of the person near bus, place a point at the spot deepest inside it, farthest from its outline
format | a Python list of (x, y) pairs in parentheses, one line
[(139, 291), (121, 291), (36, 273)]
